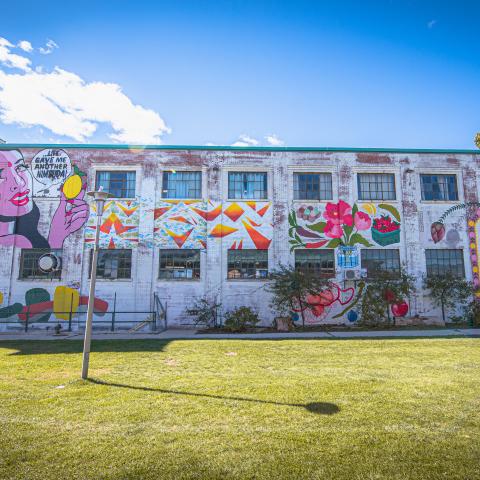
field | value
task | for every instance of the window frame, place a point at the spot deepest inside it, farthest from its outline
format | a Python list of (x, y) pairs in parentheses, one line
[(56, 275), (298, 174), (439, 174), (248, 198), (179, 251), (317, 271), (380, 273), (428, 251), (362, 198), (176, 172), (114, 170), (109, 250), (247, 278)]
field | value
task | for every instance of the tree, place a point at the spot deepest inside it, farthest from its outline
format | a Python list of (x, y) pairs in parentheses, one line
[(290, 289), (477, 139), (204, 311), (448, 290), (385, 296)]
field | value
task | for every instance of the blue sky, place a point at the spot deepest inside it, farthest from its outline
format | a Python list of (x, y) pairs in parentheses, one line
[(303, 73)]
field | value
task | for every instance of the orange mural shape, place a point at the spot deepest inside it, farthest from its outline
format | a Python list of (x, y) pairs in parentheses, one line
[(113, 221), (261, 242), (234, 211), (252, 205), (211, 215), (179, 239), (127, 210), (263, 210), (158, 212), (221, 230)]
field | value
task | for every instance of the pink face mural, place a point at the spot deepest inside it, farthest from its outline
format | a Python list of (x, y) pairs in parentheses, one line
[(19, 215)]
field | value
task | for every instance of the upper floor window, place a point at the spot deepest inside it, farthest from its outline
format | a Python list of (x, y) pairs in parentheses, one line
[(179, 264), (439, 187), (247, 185), (119, 184), (441, 261), (381, 262), (317, 262), (182, 185), (312, 186), (376, 186), (38, 264), (113, 264), (247, 264)]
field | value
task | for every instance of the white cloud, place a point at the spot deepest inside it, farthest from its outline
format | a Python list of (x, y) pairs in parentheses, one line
[(274, 141), (49, 47), (65, 104), (245, 141), (10, 59), (25, 45), (431, 23)]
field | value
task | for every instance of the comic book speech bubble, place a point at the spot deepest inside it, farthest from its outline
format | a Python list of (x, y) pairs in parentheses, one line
[(51, 167)]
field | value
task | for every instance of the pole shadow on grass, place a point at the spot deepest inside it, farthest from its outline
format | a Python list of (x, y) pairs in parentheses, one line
[(322, 408)]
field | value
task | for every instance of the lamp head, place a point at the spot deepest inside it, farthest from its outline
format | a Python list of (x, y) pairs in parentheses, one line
[(99, 197)]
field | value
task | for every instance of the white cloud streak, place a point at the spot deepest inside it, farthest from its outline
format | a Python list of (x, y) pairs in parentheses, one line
[(248, 141), (50, 46), (65, 104), (25, 45), (274, 141)]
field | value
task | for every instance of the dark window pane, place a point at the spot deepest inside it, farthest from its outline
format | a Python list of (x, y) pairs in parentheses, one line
[(439, 187), (113, 264), (317, 262), (119, 184), (247, 185), (444, 261), (179, 264), (30, 267), (182, 185), (380, 262), (247, 264), (312, 186), (376, 186)]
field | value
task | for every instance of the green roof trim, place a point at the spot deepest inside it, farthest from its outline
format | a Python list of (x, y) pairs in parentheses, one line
[(5, 146)]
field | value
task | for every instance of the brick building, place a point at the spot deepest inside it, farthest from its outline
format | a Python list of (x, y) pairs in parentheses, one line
[(187, 222)]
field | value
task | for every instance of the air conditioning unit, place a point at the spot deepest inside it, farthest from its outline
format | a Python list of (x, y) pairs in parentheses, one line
[(49, 263), (352, 274)]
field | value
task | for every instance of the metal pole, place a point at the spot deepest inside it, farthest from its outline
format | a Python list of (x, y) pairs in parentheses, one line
[(91, 299), (70, 314), (112, 328)]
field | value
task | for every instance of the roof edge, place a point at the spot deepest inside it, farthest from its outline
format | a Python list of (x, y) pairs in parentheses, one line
[(5, 146)]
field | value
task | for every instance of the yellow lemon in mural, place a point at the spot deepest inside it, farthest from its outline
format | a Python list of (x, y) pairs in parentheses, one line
[(1, 298), (72, 186), (369, 208)]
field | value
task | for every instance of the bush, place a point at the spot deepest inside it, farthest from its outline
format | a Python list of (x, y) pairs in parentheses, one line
[(204, 312), (241, 319)]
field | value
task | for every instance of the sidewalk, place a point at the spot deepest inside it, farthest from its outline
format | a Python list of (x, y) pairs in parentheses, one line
[(174, 334)]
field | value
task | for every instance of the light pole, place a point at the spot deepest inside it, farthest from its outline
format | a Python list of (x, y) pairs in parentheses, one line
[(99, 198)]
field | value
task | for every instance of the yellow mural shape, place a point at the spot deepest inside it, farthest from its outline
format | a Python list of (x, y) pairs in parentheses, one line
[(234, 212), (65, 299), (221, 230)]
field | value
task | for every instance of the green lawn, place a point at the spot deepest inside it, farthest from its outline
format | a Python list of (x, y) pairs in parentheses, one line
[(239, 409)]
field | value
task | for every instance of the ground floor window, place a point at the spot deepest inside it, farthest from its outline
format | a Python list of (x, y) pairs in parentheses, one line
[(113, 264), (444, 260), (317, 262), (247, 264), (381, 262), (38, 264), (179, 264)]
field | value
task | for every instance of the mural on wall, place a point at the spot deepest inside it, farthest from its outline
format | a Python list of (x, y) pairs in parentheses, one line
[(39, 305), (246, 225), (188, 223), (344, 226), (20, 215), (437, 232), (120, 225)]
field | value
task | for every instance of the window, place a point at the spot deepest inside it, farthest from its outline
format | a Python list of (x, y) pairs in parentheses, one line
[(182, 185), (441, 261), (113, 264), (179, 264), (318, 262), (51, 263), (312, 186), (247, 264), (381, 262), (119, 184), (376, 186), (247, 185), (439, 187)]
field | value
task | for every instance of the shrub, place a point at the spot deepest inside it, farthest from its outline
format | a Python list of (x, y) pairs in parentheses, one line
[(241, 319), (204, 311), (449, 291)]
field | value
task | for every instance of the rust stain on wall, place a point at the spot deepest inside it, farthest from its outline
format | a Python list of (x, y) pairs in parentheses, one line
[(374, 159)]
